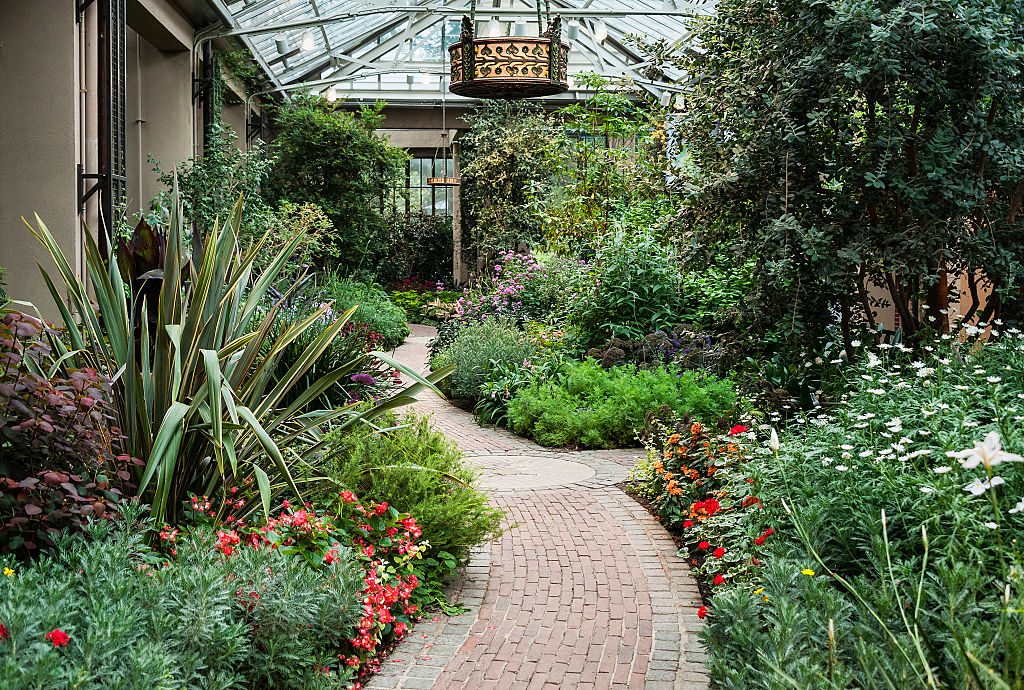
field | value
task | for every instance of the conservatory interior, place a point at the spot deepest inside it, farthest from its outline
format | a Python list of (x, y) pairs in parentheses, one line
[(511, 344)]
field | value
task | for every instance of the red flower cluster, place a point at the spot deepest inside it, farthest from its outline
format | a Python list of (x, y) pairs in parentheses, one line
[(705, 509), (4, 633), (738, 429), (227, 541), (764, 536), (58, 638)]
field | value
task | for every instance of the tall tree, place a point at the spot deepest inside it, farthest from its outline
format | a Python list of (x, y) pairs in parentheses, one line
[(858, 143)]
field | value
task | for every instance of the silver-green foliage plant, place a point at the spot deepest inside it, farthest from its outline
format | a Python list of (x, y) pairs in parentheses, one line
[(476, 350), (259, 619), (198, 393)]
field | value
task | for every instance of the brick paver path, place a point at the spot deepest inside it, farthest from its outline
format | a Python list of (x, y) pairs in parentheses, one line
[(584, 589)]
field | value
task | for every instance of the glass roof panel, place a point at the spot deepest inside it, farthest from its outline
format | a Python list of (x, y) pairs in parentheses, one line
[(394, 48)]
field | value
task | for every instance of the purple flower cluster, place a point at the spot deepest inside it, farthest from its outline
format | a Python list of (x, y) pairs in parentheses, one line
[(506, 293)]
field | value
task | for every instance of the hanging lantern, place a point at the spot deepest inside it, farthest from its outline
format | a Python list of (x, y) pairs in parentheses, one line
[(510, 67)]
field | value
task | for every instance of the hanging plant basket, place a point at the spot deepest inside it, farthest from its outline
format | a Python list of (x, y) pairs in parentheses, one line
[(510, 67)]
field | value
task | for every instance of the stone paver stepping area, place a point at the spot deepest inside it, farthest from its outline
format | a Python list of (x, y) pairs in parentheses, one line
[(584, 589)]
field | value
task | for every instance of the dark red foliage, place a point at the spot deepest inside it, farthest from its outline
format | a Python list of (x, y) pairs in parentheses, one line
[(58, 445)]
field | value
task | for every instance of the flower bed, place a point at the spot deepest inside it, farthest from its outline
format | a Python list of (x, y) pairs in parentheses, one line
[(877, 540)]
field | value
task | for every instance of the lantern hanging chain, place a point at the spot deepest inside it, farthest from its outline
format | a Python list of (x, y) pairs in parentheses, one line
[(540, 18)]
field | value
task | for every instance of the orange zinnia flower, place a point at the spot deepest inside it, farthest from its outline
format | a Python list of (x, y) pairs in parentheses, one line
[(674, 439)]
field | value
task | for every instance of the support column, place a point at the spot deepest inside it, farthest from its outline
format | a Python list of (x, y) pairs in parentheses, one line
[(38, 144)]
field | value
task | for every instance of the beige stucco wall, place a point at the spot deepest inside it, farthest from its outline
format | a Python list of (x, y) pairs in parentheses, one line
[(159, 115), (38, 98)]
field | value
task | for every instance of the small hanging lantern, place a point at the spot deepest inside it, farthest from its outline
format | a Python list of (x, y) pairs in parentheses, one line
[(443, 181), (510, 67), (445, 149)]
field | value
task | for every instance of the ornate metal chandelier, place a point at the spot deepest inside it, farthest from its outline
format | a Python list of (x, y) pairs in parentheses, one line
[(510, 67)]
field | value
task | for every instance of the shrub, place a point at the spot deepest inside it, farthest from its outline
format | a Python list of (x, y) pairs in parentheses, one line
[(430, 306), (634, 288), (336, 160), (375, 308), (59, 448), (586, 405), (97, 612), (407, 245), (417, 470), (476, 349), (679, 346)]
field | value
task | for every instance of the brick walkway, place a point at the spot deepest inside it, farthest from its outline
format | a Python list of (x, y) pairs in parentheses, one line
[(584, 589)]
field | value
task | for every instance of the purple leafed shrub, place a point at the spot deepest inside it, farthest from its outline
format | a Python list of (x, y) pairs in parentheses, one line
[(58, 457)]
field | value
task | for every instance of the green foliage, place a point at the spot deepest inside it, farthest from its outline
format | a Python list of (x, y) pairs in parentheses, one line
[(289, 220), (608, 164), (195, 393), (335, 159), (911, 559), (189, 624), (714, 288), (855, 144), (427, 307), (209, 186), (583, 404), (505, 154), (373, 307), (4, 299), (411, 246), (417, 470), (477, 348), (241, 65), (634, 289)]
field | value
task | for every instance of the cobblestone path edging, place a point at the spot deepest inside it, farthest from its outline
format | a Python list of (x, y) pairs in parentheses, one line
[(584, 589)]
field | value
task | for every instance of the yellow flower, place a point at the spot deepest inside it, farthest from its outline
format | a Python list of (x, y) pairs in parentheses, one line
[(808, 572), (8, 572), (766, 597), (759, 590)]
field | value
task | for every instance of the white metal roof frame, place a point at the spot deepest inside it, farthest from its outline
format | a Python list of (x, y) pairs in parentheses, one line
[(394, 50)]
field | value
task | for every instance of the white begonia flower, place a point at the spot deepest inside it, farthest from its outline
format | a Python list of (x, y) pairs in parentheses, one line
[(1019, 508), (992, 525), (873, 360), (876, 391), (927, 490), (842, 468), (994, 379), (942, 470), (927, 371), (866, 453), (855, 343), (978, 487), (846, 446), (988, 453)]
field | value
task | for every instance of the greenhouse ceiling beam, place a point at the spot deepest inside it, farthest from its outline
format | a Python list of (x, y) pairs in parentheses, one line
[(209, 34), (591, 13), (319, 62)]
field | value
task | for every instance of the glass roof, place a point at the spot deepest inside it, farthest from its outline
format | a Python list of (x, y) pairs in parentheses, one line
[(368, 49)]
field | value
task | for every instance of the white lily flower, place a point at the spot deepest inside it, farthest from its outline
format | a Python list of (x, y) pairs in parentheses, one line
[(978, 487), (988, 453), (1019, 508), (942, 470)]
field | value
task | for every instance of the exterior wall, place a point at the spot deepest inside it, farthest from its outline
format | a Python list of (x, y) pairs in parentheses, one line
[(160, 115), (38, 142)]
